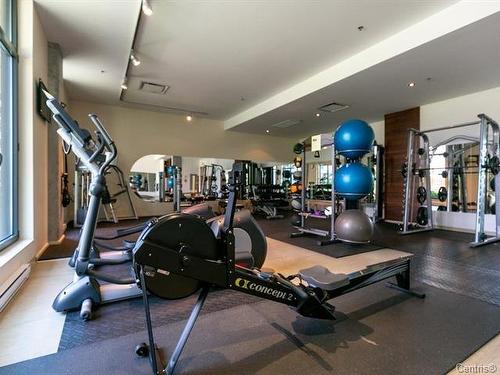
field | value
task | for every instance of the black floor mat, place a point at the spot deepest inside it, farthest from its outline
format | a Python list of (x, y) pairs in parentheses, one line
[(68, 245), (442, 259), (379, 331), (125, 317)]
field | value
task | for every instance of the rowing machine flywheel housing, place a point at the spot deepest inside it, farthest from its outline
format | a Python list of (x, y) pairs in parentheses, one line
[(186, 234)]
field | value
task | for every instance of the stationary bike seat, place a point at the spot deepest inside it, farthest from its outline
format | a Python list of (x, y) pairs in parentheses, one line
[(321, 277)]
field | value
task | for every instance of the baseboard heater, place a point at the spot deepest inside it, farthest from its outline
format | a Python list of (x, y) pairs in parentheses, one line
[(9, 288)]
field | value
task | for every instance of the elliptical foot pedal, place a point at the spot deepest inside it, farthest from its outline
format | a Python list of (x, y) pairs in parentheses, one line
[(321, 277)]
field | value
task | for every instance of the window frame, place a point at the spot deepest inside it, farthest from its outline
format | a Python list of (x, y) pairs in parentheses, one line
[(10, 47)]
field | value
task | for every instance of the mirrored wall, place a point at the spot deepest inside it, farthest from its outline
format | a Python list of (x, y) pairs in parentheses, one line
[(454, 178)]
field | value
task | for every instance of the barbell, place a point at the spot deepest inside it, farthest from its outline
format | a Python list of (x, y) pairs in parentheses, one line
[(493, 165)]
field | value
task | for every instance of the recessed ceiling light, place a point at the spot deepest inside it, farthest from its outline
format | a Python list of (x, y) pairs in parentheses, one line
[(317, 115), (189, 117), (124, 84), (411, 84), (135, 60), (267, 131), (146, 8)]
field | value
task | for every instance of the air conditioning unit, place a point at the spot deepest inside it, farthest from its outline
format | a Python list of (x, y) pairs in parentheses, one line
[(9, 288), (333, 107), (286, 124)]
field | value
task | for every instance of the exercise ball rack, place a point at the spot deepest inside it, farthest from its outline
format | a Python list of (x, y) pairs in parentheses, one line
[(330, 236)]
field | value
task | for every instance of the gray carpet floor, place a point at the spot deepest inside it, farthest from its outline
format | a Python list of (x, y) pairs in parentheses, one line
[(378, 331)]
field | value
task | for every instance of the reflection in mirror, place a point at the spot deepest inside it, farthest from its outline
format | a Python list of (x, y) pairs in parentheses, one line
[(454, 178), (153, 178)]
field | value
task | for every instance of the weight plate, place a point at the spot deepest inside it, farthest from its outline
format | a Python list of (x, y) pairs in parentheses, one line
[(442, 194), (421, 194), (422, 217), (493, 164), (298, 148)]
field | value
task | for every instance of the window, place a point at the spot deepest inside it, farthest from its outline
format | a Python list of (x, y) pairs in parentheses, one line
[(325, 174), (8, 123)]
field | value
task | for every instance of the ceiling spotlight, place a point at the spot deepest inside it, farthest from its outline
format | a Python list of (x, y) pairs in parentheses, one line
[(189, 117), (317, 115), (361, 28), (124, 84), (267, 131), (411, 84), (146, 8), (135, 60)]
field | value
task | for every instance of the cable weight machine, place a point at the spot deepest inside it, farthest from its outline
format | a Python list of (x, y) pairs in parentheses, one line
[(418, 147)]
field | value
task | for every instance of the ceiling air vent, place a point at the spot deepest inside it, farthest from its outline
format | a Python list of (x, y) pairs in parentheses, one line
[(333, 107), (286, 124), (153, 88)]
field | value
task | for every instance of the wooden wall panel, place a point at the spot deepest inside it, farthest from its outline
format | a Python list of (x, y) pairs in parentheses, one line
[(396, 131)]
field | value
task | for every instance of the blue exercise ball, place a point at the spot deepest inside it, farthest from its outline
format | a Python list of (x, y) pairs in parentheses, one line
[(354, 138), (353, 181), (170, 183)]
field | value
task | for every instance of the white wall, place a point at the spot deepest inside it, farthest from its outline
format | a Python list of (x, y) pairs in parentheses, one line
[(33, 146), (458, 110), (149, 164), (139, 132)]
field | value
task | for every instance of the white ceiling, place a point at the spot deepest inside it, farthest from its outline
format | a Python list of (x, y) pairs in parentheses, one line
[(224, 59), (94, 35), (458, 63), (213, 54)]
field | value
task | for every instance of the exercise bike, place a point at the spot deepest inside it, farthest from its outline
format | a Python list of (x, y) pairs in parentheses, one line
[(194, 257)]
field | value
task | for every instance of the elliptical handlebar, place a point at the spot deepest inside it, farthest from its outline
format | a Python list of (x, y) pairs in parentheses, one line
[(85, 147), (100, 127), (109, 144)]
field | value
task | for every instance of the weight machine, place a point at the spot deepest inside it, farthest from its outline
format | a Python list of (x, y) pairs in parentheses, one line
[(489, 153), (83, 178)]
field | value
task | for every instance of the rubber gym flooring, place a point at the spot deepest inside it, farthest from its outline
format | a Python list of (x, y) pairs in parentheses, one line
[(379, 331)]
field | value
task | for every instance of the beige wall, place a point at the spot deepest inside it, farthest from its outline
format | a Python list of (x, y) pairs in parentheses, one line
[(32, 146), (140, 132)]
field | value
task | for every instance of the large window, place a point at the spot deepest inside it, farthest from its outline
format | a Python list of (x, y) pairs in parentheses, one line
[(8, 123)]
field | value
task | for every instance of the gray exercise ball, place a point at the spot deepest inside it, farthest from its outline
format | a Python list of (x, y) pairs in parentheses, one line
[(354, 226)]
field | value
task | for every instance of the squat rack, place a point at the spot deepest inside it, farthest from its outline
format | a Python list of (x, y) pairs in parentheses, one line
[(486, 124)]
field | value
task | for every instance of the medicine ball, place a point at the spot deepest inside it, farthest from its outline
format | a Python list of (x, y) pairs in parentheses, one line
[(353, 181), (354, 226), (295, 220), (296, 204), (354, 138)]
